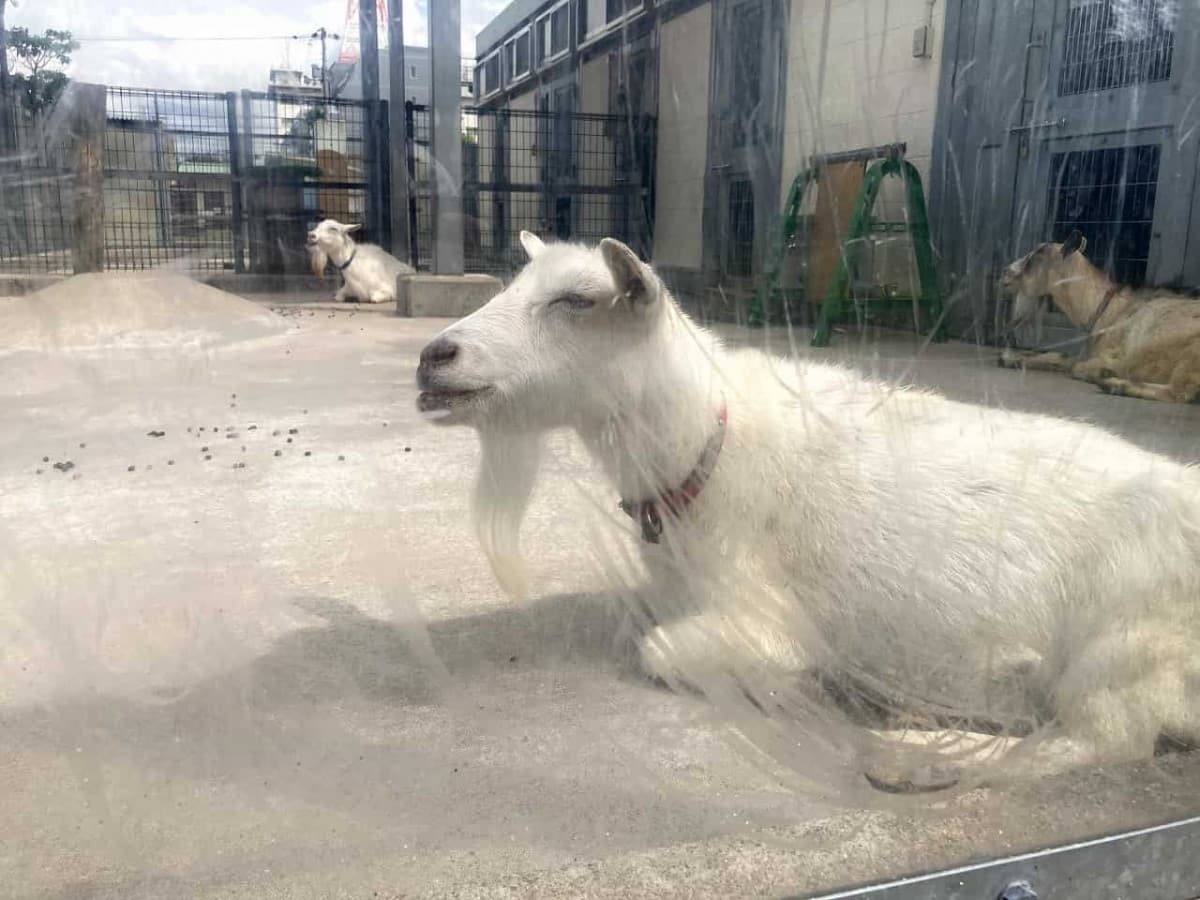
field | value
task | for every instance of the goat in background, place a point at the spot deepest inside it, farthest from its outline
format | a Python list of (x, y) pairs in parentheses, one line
[(369, 273), (1140, 343)]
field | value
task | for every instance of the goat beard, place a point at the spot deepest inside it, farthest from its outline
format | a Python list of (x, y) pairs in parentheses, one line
[(507, 473), (318, 260)]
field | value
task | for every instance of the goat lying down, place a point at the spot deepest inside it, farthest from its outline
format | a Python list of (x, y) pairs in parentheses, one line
[(1140, 343), (369, 273), (796, 518)]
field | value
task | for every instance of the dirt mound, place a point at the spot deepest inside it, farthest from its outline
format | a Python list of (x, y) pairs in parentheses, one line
[(115, 310)]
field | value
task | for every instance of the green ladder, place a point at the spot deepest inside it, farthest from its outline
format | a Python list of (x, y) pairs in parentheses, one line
[(838, 303)]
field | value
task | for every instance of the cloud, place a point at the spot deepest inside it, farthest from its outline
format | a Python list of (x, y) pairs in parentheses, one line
[(212, 65)]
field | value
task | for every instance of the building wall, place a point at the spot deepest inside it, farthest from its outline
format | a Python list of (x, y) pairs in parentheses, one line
[(873, 90), (593, 213), (593, 85), (683, 92)]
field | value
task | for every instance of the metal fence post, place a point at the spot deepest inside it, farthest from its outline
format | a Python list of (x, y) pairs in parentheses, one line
[(368, 69), (235, 183), (500, 239), (383, 169), (399, 135), (87, 115), (411, 187), (445, 40)]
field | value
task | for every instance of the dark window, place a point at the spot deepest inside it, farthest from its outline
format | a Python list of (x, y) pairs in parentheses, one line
[(491, 75), (1115, 43), (521, 56), (214, 201), (560, 29), (740, 259), (614, 9), (581, 20), (1108, 195)]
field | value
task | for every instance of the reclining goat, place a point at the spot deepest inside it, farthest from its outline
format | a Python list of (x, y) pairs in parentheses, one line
[(369, 273), (795, 517), (1140, 343)]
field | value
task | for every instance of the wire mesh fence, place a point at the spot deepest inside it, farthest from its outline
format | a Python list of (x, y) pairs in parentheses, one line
[(568, 176), (232, 181), (168, 187), (1115, 44), (35, 196), (305, 158), (212, 181)]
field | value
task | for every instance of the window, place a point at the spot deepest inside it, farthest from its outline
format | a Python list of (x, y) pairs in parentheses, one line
[(1116, 43), (598, 15), (1108, 195), (553, 33), (489, 75), (517, 55)]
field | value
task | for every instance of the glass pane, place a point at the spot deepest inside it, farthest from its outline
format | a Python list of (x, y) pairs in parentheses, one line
[(559, 30), (717, 448), (521, 54)]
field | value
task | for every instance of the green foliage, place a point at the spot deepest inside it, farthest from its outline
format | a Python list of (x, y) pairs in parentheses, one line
[(37, 63)]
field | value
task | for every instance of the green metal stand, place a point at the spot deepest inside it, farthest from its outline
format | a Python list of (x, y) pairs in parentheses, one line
[(770, 289), (838, 303)]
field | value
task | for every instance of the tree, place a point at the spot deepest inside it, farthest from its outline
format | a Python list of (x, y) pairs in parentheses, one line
[(36, 63)]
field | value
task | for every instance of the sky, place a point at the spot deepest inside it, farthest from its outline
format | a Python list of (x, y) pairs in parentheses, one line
[(211, 65)]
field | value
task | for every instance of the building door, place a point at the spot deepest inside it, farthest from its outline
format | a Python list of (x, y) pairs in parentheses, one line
[(745, 140), (1098, 146), (1063, 114)]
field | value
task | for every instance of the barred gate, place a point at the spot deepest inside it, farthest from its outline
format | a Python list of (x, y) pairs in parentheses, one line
[(219, 180), (568, 176)]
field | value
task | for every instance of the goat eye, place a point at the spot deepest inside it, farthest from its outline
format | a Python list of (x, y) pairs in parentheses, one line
[(574, 301)]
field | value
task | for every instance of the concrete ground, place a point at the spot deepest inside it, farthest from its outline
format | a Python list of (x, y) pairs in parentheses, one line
[(248, 646)]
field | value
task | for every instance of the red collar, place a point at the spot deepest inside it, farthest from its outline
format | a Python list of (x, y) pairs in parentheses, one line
[(676, 500)]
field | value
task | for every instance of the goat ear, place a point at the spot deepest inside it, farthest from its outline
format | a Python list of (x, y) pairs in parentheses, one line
[(1075, 243), (349, 228), (532, 243), (633, 279)]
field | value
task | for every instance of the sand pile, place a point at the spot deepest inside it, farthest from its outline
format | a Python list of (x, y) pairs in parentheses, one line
[(132, 310)]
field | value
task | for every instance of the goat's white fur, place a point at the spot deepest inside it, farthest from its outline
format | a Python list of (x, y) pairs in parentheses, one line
[(370, 277), (1143, 343), (1013, 567)]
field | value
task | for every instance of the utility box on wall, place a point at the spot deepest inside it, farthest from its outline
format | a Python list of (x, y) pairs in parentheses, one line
[(922, 46)]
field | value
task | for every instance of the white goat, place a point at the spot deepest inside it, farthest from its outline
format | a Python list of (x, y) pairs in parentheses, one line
[(796, 517), (369, 273), (1140, 343)]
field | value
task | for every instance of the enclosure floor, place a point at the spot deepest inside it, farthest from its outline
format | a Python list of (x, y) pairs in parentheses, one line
[(296, 678)]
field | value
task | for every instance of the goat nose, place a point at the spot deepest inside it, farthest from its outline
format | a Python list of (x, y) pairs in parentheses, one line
[(438, 353)]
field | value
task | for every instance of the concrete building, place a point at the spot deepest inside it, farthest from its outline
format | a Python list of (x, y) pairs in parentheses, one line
[(997, 104), (732, 87), (347, 81)]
